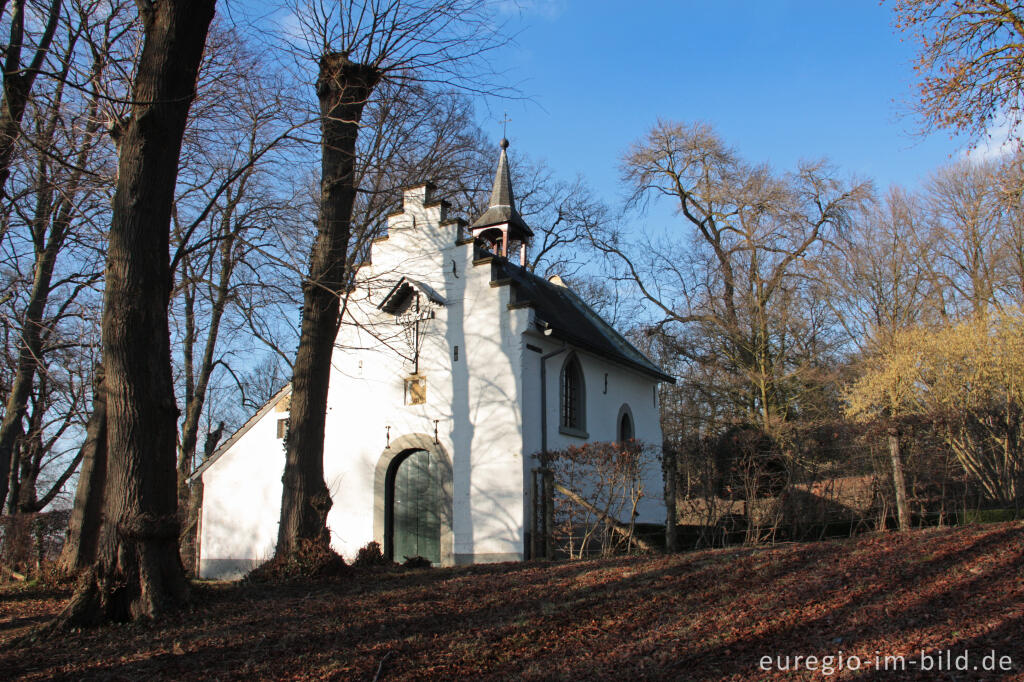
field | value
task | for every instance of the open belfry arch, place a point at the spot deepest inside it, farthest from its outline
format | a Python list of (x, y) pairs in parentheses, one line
[(444, 391)]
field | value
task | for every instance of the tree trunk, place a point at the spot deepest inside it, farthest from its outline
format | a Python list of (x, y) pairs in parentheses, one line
[(188, 544), (342, 88), (84, 525), (902, 511), (196, 393), (669, 464), (138, 571), (625, 530)]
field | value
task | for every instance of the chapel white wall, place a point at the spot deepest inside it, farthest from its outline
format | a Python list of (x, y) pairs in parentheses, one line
[(624, 387), (472, 399), (242, 502)]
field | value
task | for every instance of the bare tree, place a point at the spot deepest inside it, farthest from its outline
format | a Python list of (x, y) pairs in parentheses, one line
[(966, 220), (79, 549), (228, 195), (53, 207), (883, 279), (138, 573), (20, 77), (734, 293)]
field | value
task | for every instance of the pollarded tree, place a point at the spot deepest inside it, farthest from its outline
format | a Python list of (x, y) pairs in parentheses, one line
[(357, 46), (970, 64)]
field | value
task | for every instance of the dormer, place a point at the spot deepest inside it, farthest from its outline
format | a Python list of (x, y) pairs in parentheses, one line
[(501, 228)]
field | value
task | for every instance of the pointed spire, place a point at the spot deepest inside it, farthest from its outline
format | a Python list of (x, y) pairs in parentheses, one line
[(501, 194), (502, 207)]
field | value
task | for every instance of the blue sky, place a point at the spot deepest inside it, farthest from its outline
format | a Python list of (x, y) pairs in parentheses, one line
[(781, 80)]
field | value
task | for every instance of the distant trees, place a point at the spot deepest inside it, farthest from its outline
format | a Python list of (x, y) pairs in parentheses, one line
[(733, 285), (970, 65), (969, 378), (52, 256)]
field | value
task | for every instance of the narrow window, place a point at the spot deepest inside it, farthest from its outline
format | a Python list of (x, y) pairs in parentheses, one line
[(572, 396), (625, 427), (455, 354)]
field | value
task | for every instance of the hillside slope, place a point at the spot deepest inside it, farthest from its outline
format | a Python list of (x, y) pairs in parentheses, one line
[(701, 615)]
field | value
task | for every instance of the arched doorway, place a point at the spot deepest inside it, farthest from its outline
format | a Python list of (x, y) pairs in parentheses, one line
[(412, 525), (413, 500)]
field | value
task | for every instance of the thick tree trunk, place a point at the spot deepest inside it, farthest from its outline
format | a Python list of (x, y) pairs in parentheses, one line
[(343, 88), (138, 572), (84, 525)]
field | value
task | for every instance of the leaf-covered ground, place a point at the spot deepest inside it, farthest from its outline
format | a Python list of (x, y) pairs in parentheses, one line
[(701, 615)]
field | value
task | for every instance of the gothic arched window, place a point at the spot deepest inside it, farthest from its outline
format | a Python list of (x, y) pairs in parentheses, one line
[(572, 418)]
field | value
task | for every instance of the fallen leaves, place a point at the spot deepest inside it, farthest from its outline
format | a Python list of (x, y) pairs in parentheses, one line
[(701, 615)]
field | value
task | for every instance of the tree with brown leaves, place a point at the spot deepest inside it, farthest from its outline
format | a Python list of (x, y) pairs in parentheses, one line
[(970, 64)]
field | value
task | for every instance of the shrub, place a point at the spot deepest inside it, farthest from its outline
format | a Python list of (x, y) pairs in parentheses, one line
[(370, 555), (310, 560)]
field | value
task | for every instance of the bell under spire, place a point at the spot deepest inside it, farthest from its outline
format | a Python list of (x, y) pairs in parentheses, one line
[(502, 208)]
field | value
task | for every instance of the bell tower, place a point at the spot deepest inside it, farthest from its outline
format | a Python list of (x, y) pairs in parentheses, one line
[(501, 228)]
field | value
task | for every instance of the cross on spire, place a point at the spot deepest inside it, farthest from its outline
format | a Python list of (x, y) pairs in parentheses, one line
[(504, 125)]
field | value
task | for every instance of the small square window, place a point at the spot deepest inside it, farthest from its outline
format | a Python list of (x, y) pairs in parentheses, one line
[(415, 390)]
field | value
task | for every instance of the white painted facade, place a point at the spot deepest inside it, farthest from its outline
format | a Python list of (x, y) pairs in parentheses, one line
[(482, 411)]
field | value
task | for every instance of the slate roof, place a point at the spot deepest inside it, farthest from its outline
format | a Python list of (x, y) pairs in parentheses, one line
[(251, 422), (572, 320)]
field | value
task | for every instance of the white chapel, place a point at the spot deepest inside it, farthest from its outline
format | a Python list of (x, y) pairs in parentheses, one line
[(453, 369)]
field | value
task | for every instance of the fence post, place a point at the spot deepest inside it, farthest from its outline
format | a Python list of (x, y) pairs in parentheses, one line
[(534, 515), (549, 513)]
